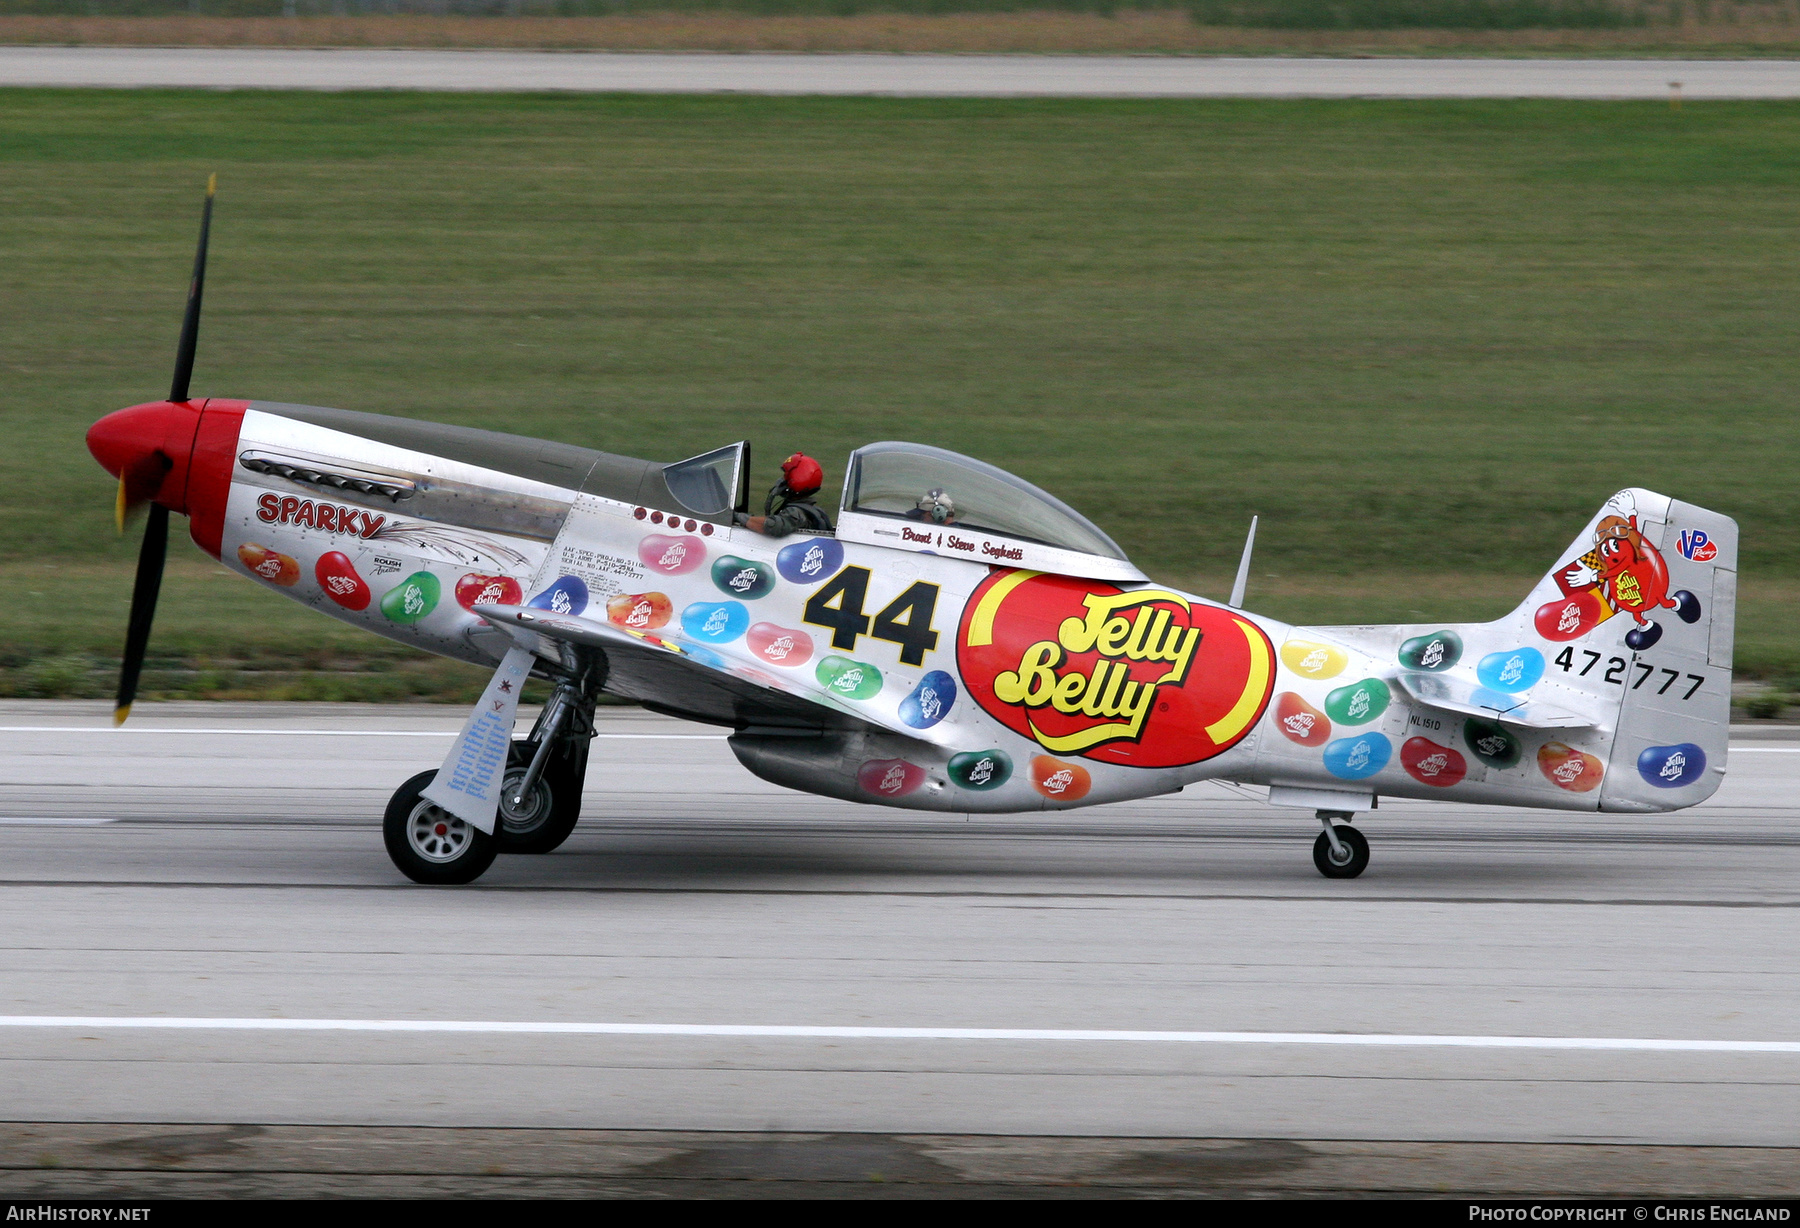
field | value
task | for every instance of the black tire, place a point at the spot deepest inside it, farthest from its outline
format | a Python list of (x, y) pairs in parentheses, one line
[(554, 807), (430, 846), (1354, 843)]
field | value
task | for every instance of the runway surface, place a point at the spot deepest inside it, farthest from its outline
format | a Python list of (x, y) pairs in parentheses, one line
[(902, 75), (235, 872)]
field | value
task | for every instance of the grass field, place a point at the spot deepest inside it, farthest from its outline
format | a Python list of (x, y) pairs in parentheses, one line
[(1732, 28), (1423, 340)]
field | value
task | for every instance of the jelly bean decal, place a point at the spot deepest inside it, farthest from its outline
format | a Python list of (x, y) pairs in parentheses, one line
[(1355, 758), (1439, 650), (336, 574), (694, 652), (1358, 703), (475, 589), (1491, 743), (672, 556), (412, 599), (780, 646), (1672, 767), (1428, 763), (567, 596), (1059, 781), (1511, 672), (742, 578), (1145, 677), (1311, 660), (930, 701), (1622, 572), (1568, 768), (849, 679), (1300, 722), (716, 622), (1569, 618), (270, 565), (984, 769), (890, 777), (640, 611), (809, 561)]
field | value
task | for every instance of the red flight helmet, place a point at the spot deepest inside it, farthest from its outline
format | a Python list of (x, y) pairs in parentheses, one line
[(802, 474)]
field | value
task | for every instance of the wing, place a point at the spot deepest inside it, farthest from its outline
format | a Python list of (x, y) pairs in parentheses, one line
[(666, 677)]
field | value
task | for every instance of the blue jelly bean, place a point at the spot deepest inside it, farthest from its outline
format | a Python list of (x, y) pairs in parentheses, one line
[(1514, 671), (1355, 758), (809, 561), (1671, 767), (716, 622), (567, 596), (930, 701)]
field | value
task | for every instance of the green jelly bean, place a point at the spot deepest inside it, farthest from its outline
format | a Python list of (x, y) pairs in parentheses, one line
[(849, 679), (981, 769), (742, 578), (1439, 650), (412, 599), (1359, 703), (1492, 744)]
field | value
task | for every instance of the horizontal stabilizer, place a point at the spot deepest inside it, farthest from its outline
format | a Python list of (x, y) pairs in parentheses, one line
[(1455, 695)]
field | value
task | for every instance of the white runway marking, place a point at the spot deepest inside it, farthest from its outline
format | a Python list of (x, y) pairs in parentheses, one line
[(812, 1032), (338, 733), (1094, 76)]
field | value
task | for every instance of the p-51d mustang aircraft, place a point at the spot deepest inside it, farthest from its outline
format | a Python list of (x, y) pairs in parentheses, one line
[(1005, 658)]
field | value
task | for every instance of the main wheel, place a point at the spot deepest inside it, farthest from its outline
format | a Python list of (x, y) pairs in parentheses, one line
[(546, 816), (1356, 849), (431, 845)]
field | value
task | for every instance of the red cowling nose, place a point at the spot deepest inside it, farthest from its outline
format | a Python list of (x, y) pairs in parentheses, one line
[(151, 447)]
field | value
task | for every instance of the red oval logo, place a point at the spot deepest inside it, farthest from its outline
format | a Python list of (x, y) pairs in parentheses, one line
[(1145, 678)]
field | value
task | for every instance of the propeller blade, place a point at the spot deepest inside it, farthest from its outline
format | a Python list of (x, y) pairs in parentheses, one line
[(143, 607), (190, 320)]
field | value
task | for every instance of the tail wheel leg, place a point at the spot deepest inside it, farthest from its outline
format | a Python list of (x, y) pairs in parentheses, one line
[(1340, 851)]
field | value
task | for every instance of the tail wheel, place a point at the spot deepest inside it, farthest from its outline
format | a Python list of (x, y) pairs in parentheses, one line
[(1354, 858), (429, 844), (543, 818)]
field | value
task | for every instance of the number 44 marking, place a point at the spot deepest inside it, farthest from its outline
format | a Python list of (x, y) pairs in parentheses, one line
[(839, 605), (1615, 669)]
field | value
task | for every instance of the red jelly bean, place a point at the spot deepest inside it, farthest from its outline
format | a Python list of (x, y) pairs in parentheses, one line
[(336, 574), (778, 645), (1428, 763), (475, 589), (890, 777), (1568, 618)]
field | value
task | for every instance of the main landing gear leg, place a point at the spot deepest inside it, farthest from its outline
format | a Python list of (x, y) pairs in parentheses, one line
[(1340, 851), (540, 797)]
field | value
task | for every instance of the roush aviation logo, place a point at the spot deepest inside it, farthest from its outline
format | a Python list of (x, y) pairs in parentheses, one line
[(1143, 678)]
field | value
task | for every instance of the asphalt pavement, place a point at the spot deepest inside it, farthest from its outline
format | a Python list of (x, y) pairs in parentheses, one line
[(712, 953), (1097, 76)]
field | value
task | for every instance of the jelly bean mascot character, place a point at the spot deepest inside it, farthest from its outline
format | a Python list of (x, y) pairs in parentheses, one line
[(790, 507), (1628, 573)]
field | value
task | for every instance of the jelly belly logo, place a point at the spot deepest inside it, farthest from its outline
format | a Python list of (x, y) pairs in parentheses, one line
[(1696, 546), (1142, 678)]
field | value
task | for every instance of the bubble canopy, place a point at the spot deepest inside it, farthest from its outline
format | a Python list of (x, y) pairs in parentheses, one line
[(911, 484)]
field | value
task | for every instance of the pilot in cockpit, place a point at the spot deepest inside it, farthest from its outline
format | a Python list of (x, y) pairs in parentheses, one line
[(935, 506), (790, 507)]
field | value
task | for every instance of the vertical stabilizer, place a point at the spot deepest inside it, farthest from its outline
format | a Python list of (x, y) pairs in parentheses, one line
[(1641, 609)]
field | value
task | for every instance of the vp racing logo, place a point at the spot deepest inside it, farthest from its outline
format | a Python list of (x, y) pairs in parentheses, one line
[(1144, 678)]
